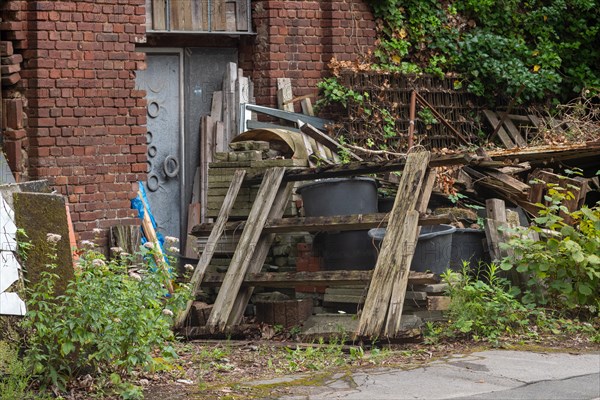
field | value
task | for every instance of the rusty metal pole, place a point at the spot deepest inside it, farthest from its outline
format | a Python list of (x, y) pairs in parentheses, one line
[(411, 124)]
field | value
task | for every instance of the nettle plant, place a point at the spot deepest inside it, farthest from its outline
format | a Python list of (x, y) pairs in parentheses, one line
[(562, 263), (108, 321)]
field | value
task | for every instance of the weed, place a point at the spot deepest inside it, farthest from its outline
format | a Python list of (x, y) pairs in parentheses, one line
[(107, 322)]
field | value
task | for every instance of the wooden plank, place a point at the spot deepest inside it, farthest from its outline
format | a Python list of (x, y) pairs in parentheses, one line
[(438, 303), (508, 181), (426, 190), (431, 288), (197, 15), (318, 278), (284, 94), (229, 92), (149, 20), (408, 241), (218, 15), (363, 168), (180, 15), (244, 252), (159, 15), (325, 140), (387, 273), (194, 215), (205, 17), (242, 97), (307, 107), (323, 224), (496, 209), (241, 15), (196, 188), (216, 109), (513, 131), (260, 254), (214, 237), (221, 141), (494, 121), (230, 15)]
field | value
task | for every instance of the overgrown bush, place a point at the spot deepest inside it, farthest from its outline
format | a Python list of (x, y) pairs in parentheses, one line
[(563, 263), (548, 47), (109, 321), (484, 307)]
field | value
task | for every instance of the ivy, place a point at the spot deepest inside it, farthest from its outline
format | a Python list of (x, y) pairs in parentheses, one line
[(546, 46)]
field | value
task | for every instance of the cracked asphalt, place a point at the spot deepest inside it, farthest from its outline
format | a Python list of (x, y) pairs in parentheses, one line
[(494, 375)]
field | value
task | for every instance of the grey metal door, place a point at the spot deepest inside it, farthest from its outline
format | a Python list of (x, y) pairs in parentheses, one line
[(161, 81), (204, 70)]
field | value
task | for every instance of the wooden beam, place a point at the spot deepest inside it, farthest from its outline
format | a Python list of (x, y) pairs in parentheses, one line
[(407, 240), (319, 278), (211, 244), (159, 15), (260, 253), (244, 251), (395, 243), (364, 168), (322, 224)]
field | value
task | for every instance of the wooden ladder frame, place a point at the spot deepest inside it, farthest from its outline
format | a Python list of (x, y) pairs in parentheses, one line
[(383, 306)]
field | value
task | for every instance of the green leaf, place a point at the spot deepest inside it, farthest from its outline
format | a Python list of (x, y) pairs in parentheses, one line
[(66, 348), (584, 289), (593, 259)]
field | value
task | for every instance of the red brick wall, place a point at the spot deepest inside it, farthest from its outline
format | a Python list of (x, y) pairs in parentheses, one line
[(296, 39), (85, 120)]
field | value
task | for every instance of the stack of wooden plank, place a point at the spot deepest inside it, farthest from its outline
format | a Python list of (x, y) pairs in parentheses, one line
[(221, 172)]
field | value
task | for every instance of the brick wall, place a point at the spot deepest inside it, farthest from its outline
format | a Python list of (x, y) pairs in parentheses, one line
[(85, 121), (296, 39)]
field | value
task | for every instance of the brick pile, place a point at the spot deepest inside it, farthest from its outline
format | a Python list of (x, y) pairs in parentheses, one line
[(85, 120)]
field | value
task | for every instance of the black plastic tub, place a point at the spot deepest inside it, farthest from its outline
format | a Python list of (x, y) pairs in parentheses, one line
[(467, 245), (434, 247), (339, 196), (342, 196)]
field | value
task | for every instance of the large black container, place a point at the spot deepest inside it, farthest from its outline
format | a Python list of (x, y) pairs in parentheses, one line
[(433, 250), (352, 250), (467, 245), (339, 196)]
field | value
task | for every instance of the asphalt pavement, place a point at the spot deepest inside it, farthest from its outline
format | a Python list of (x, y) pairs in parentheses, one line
[(493, 375)]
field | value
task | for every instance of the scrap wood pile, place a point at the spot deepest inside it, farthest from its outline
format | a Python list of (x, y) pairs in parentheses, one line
[(261, 169)]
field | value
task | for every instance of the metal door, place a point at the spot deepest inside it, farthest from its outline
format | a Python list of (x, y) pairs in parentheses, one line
[(204, 70), (162, 83)]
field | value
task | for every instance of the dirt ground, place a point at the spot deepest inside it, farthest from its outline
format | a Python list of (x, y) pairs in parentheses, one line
[(230, 369)]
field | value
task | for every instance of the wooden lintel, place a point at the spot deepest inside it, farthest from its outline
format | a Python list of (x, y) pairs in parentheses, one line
[(322, 278), (322, 224)]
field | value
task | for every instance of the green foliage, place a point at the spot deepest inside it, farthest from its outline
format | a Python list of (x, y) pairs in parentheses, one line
[(15, 377), (563, 261), (485, 308), (335, 92), (549, 47), (107, 321), (315, 358)]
